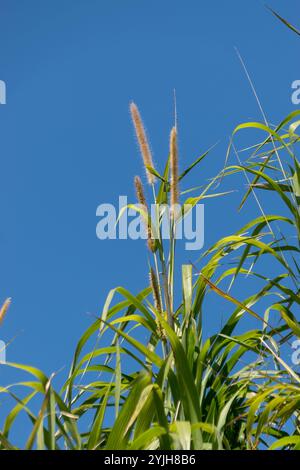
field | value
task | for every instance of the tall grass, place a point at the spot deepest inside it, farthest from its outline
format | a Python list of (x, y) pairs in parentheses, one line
[(181, 389)]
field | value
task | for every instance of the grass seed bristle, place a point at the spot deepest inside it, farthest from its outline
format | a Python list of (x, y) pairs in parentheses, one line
[(143, 141)]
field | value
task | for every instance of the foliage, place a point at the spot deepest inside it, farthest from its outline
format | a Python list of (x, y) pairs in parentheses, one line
[(145, 375)]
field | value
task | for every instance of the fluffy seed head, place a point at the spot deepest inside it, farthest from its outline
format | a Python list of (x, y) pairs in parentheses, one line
[(157, 303), (150, 242), (155, 290), (142, 200), (143, 141), (4, 309), (139, 191)]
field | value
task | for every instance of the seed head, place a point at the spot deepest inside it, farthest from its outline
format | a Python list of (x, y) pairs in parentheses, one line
[(143, 141), (4, 309), (155, 290), (140, 191), (142, 200)]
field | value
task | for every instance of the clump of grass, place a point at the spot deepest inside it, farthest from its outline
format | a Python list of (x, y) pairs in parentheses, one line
[(170, 386), (198, 393)]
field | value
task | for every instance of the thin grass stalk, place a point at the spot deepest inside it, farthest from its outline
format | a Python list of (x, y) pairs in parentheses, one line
[(163, 266), (165, 283), (158, 241), (151, 244), (174, 199), (174, 188)]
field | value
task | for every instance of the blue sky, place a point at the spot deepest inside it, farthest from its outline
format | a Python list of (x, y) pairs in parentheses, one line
[(67, 144)]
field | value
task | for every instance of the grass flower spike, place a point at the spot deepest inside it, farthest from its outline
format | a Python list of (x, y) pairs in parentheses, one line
[(155, 290), (143, 141), (4, 309), (157, 302), (142, 200), (140, 191)]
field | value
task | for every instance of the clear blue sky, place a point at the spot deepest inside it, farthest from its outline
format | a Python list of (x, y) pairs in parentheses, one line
[(66, 140)]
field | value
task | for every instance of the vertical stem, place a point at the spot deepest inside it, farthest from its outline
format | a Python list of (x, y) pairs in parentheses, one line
[(172, 260), (159, 240)]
